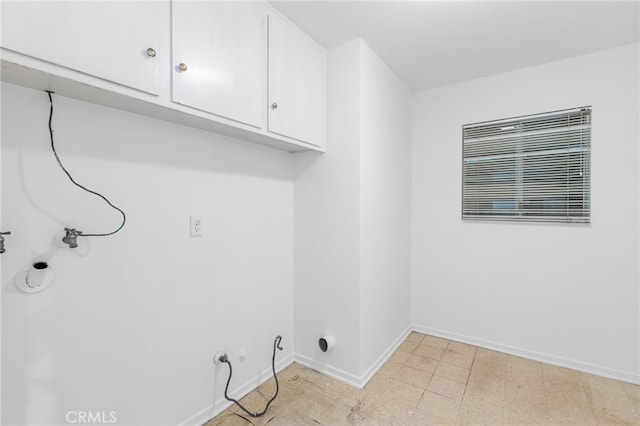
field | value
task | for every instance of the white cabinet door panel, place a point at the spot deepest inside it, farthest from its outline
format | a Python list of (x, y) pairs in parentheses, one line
[(222, 46), (296, 84), (105, 39)]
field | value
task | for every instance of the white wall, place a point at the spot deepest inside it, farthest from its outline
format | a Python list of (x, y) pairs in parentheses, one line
[(327, 235), (385, 203), (561, 293), (352, 218), (1, 229), (133, 320)]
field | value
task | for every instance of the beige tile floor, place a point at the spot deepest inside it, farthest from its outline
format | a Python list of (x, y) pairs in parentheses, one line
[(430, 380)]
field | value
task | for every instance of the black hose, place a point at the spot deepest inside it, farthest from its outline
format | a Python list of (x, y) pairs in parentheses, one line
[(225, 359), (55, 153)]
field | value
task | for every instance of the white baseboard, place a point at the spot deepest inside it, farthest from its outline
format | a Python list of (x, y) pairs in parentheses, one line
[(537, 356), (368, 374), (222, 404), (328, 370), (348, 378)]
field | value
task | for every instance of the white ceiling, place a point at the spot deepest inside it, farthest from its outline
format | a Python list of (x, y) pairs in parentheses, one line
[(434, 43)]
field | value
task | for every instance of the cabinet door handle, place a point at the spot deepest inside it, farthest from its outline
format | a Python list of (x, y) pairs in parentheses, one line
[(151, 52), (182, 66), (274, 105)]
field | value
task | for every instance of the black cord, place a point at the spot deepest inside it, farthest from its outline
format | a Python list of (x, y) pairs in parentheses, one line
[(225, 359), (53, 148)]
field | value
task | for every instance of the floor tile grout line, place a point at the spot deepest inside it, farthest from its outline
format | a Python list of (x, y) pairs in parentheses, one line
[(504, 393), (630, 398), (458, 401), (465, 388), (589, 399)]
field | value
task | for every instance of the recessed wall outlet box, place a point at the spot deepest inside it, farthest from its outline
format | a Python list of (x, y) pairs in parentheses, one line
[(196, 226)]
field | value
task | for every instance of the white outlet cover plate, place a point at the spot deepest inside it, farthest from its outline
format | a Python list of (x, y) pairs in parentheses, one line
[(196, 226)]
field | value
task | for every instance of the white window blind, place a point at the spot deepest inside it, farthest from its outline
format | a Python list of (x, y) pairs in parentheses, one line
[(533, 168)]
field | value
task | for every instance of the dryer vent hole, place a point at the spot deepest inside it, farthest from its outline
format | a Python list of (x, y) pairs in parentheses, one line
[(323, 344)]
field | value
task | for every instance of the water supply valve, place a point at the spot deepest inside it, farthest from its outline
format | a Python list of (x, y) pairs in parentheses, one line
[(2, 250), (71, 237)]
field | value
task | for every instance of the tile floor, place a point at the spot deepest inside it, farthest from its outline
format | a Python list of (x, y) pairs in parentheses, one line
[(430, 380)]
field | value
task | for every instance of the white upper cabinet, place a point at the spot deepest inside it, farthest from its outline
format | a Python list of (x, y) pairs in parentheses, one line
[(118, 41), (296, 83), (232, 67), (219, 51)]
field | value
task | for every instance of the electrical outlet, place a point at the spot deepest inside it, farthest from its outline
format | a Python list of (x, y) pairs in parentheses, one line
[(196, 226)]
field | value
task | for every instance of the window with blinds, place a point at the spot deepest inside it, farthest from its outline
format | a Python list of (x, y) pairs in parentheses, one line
[(533, 168)]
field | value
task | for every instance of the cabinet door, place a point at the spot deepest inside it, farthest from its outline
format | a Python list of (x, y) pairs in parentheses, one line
[(219, 58), (296, 84), (119, 41)]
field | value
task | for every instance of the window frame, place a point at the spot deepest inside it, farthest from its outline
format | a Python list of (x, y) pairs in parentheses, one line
[(523, 158)]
